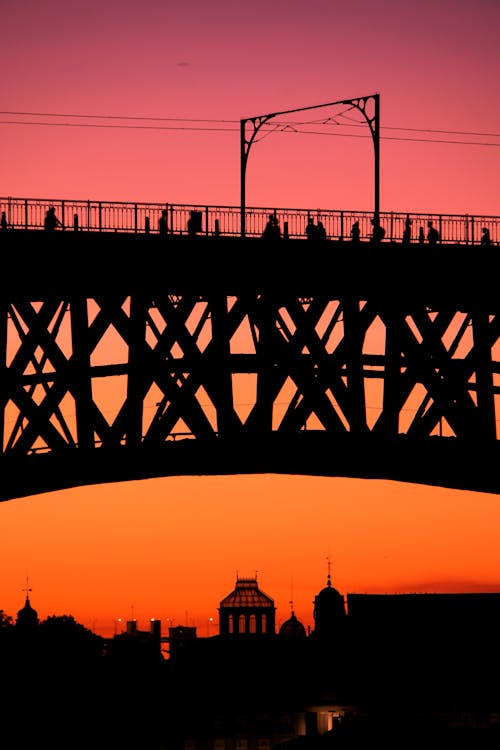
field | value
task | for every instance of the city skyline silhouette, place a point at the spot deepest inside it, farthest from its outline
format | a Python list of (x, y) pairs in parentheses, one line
[(393, 667)]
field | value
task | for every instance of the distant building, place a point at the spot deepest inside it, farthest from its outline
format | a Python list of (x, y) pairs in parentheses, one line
[(383, 666), (247, 611), (27, 617), (292, 628), (135, 644), (329, 612)]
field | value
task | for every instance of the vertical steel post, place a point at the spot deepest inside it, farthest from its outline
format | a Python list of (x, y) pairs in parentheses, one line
[(376, 147), (243, 166)]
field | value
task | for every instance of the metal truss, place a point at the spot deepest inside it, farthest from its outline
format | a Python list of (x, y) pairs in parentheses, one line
[(176, 364), (313, 361)]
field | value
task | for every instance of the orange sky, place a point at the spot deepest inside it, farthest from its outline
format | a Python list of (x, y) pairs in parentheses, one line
[(172, 548)]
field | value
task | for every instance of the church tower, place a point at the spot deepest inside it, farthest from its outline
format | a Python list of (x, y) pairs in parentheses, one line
[(27, 617), (329, 611)]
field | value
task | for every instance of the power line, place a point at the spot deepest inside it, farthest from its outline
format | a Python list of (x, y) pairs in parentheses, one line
[(285, 128), (102, 125), (399, 138), (118, 117), (234, 122)]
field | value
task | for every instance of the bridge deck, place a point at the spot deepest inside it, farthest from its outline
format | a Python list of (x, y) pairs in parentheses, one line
[(36, 264)]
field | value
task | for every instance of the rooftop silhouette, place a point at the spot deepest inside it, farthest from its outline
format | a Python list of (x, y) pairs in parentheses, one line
[(390, 665)]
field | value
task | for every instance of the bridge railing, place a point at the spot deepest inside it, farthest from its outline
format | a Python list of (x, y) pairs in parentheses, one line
[(116, 216)]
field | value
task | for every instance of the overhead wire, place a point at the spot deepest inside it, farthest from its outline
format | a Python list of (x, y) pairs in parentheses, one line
[(102, 125), (293, 126)]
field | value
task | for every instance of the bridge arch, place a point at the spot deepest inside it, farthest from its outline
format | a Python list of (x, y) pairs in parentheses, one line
[(227, 356)]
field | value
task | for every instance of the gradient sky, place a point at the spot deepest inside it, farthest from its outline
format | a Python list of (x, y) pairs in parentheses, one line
[(172, 548)]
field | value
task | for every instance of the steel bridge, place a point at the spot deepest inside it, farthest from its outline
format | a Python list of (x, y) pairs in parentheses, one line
[(128, 355)]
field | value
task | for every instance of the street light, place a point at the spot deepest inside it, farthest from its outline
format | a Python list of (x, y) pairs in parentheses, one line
[(361, 103)]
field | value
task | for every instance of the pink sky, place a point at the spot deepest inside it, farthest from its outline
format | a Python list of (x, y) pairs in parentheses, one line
[(172, 548), (435, 65)]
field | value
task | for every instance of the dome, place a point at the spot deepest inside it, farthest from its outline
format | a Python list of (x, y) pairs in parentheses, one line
[(329, 595), (247, 594), (329, 610), (247, 611), (292, 628)]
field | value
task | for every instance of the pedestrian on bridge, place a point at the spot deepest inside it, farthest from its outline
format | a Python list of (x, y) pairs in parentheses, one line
[(407, 231), (311, 230), (272, 229), (315, 231), (163, 222), (355, 233), (51, 221), (485, 238), (194, 223), (432, 234), (3, 221), (378, 232)]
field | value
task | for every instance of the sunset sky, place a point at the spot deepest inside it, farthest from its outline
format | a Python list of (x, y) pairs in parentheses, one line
[(142, 102)]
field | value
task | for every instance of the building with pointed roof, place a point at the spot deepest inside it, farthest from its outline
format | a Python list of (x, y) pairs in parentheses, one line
[(27, 617)]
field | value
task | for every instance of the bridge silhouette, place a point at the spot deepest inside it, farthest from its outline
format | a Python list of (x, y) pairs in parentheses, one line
[(129, 355)]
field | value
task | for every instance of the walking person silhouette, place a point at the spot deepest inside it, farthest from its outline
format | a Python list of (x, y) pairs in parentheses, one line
[(432, 234), (407, 231)]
